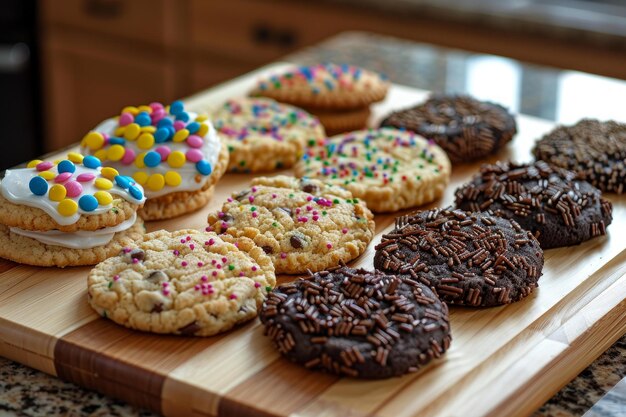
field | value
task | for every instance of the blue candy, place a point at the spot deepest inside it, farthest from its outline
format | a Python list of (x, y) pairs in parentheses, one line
[(204, 167), (193, 127), (66, 166), (164, 122), (176, 107), (88, 203), (135, 192), (117, 141), (91, 162), (143, 119), (152, 159), (183, 115), (38, 186), (161, 135), (123, 181)]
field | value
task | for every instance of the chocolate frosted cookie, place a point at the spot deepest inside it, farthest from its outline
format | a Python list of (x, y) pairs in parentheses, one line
[(357, 323), (548, 201), (594, 150), (466, 128), (473, 259)]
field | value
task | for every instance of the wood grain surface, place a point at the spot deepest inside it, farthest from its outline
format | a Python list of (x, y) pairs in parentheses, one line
[(503, 361)]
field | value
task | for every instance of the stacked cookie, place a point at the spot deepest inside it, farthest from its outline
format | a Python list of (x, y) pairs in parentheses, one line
[(338, 95), (68, 213)]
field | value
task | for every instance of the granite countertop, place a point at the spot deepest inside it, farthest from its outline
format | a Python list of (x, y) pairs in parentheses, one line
[(598, 391)]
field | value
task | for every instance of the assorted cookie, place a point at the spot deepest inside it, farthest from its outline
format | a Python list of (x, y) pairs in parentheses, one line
[(357, 323), (466, 128), (339, 95), (389, 168), (594, 150), (557, 208), (263, 135), (186, 282), (176, 155), (472, 259), (301, 224), (67, 213)]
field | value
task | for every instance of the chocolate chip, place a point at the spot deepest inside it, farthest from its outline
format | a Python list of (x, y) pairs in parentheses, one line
[(227, 217), (157, 308), (241, 195), (309, 188), (190, 329), (157, 276), (267, 249), (286, 210), (296, 242), (137, 254)]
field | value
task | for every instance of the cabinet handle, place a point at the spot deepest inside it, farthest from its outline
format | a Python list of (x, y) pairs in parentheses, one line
[(265, 34), (103, 9)]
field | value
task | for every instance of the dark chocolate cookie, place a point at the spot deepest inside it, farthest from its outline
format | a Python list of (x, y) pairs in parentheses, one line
[(558, 209), (466, 128), (594, 150), (473, 259), (359, 323)]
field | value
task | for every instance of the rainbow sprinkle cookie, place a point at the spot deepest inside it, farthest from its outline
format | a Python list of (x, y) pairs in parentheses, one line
[(186, 282), (388, 168), (262, 134), (67, 212), (301, 224), (176, 155)]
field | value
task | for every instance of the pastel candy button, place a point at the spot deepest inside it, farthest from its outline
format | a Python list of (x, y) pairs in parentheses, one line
[(85, 177), (91, 162), (104, 184), (44, 166), (145, 141), (176, 159), (161, 135), (117, 141), (125, 119), (193, 127), (194, 141), (177, 107), (132, 131), (129, 157), (203, 129), (34, 163), (73, 188), (181, 135), (141, 177), (143, 119), (123, 181), (104, 198), (155, 105), (152, 159), (139, 160), (66, 166), (155, 182), (94, 140), (164, 151), (61, 178), (88, 203), (194, 155), (47, 175), (57, 192), (38, 186), (67, 207), (173, 178), (109, 173), (115, 152), (178, 125), (75, 157), (164, 123), (204, 167), (135, 192), (183, 116)]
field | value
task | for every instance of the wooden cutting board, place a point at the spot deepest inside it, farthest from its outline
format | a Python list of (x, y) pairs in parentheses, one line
[(503, 361)]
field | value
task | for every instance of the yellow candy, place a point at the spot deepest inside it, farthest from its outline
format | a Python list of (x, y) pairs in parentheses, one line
[(203, 130), (132, 131), (75, 157), (148, 129), (33, 163), (155, 182), (131, 109), (47, 175), (115, 152), (83, 143), (147, 109), (67, 207), (94, 140), (101, 154), (119, 131), (141, 177), (139, 160), (109, 173), (56, 161), (103, 197), (173, 178), (181, 135), (201, 118), (145, 141), (176, 159), (104, 184), (57, 192)]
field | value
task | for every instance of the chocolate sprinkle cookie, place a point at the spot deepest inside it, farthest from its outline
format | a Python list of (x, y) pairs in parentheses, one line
[(466, 128), (595, 150), (558, 209), (473, 259), (357, 323)]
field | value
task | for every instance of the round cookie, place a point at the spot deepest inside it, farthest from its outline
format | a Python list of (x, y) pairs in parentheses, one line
[(466, 128), (594, 150), (324, 87), (263, 135), (473, 259), (301, 224), (357, 323), (388, 168), (558, 209), (174, 154), (186, 282)]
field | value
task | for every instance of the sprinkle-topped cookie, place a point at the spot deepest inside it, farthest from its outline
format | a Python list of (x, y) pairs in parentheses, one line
[(325, 86), (388, 168), (262, 134)]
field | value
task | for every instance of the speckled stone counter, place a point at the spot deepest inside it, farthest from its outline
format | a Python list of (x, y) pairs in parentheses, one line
[(598, 391)]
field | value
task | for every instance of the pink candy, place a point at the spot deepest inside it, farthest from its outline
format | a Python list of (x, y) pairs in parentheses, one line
[(63, 177), (164, 151), (194, 141), (156, 105), (126, 119), (193, 155), (44, 166), (179, 124), (73, 188), (85, 177), (129, 157)]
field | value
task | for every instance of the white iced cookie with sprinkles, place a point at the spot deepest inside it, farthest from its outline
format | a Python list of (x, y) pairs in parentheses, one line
[(176, 155), (67, 213)]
